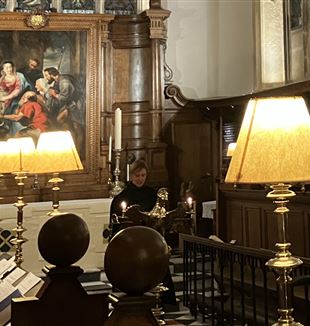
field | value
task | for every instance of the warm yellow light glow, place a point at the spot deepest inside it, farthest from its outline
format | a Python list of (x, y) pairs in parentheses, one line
[(57, 153), (17, 155), (273, 143), (4, 166)]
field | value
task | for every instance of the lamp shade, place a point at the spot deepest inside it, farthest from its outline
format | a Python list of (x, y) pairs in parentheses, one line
[(273, 144), (4, 166), (56, 152), (17, 155)]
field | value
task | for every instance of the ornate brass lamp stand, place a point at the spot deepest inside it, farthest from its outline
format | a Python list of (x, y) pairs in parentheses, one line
[(55, 180), (19, 230), (284, 262)]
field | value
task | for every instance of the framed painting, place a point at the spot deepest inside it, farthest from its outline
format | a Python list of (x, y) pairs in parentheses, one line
[(59, 63)]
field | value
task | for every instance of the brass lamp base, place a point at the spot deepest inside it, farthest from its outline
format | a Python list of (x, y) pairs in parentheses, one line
[(55, 180), (284, 262), (19, 240)]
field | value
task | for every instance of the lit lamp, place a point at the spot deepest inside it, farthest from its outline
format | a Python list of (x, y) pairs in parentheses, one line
[(56, 153), (3, 153), (17, 156), (273, 148)]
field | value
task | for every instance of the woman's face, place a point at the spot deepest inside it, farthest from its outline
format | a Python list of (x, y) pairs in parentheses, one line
[(139, 177), (8, 69)]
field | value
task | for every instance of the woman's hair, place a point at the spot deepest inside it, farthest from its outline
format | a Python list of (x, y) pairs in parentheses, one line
[(10, 62), (7, 62), (139, 165)]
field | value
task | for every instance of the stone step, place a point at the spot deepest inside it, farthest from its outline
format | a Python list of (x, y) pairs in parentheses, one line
[(177, 263)]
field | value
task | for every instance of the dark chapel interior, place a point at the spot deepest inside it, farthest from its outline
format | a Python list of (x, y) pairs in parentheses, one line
[(225, 243)]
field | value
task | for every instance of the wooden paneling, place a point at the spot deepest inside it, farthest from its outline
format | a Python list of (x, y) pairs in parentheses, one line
[(252, 226), (249, 218)]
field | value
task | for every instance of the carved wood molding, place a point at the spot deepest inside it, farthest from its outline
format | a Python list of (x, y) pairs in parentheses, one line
[(175, 93), (158, 29)]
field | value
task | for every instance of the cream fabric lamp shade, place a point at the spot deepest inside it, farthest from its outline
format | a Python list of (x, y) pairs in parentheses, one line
[(17, 155), (4, 162), (56, 152), (273, 145)]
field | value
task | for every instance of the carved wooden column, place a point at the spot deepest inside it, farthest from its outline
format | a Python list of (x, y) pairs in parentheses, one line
[(105, 95), (158, 35)]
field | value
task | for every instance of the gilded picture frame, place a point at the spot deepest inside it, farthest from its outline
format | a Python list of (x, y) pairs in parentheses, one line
[(86, 34)]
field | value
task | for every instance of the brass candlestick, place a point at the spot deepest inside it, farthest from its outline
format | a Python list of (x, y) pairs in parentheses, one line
[(117, 185), (19, 230), (284, 262)]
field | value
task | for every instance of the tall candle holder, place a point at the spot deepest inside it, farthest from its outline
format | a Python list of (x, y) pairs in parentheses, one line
[(117, 185)]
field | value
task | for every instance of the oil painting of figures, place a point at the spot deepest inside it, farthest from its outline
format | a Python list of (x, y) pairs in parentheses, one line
[(42, 84)]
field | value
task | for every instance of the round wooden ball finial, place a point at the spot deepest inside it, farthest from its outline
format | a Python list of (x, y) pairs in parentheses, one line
[(63, 239), (136, 260)]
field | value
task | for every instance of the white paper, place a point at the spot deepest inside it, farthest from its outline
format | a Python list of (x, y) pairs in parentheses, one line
[(5, 265), (15, 275), (6, 289), (28, 283)]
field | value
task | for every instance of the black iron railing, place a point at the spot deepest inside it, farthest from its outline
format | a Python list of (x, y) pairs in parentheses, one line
[(231, 285)]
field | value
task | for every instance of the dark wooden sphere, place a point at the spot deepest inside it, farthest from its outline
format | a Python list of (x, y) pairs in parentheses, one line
[(63, 239), (136, 260)]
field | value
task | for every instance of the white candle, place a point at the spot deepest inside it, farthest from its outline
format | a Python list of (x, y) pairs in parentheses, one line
[(190, 202), (118, 129), (110, 149), (127, 172), (123, 206)]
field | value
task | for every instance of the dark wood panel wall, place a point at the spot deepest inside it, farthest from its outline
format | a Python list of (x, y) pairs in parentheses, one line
[(247, 216)]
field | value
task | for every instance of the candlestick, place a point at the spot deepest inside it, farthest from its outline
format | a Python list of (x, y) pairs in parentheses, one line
[(117, 185), (110, 149), (118, 129)]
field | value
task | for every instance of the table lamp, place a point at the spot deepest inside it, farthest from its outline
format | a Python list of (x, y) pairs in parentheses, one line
[(17, 156), (56, 152), (273, 149)]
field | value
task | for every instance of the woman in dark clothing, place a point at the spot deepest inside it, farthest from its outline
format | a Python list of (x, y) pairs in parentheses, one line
[(136, 192)]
